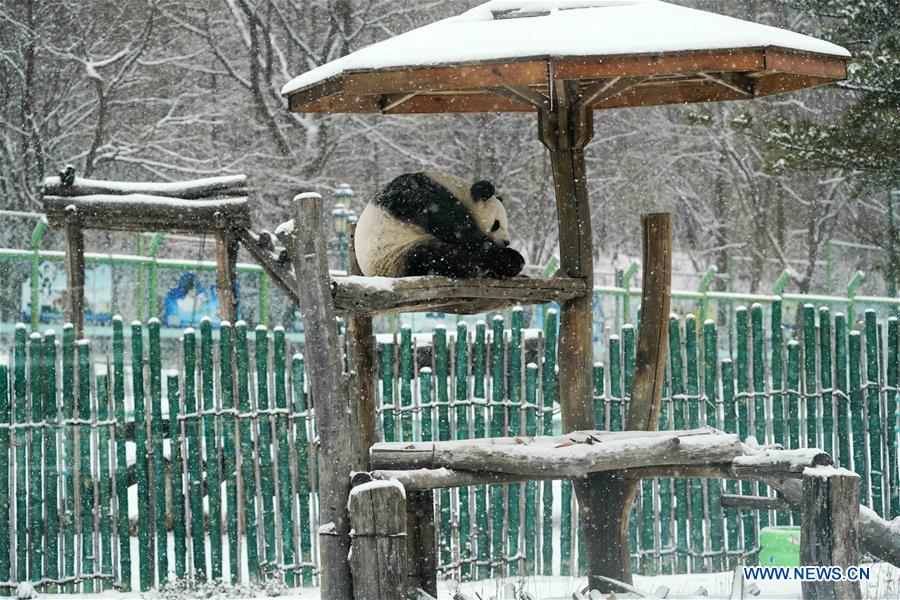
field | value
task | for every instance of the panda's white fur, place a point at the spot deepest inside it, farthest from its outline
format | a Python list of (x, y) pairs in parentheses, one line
[(384, 254)]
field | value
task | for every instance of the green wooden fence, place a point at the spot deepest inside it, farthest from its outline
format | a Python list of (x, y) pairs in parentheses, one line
[(109, 458)]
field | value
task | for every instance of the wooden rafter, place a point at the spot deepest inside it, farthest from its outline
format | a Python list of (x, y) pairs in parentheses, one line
[(391, 101), (524, 94), (733, 81)]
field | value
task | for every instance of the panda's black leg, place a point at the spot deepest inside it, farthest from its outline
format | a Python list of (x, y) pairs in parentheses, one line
[(439, 258)]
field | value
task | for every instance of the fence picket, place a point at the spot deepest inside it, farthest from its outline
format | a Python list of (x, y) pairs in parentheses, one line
[(282, 447), (141, 458), (190, 426), (246, 472), (875, 465), (36, 466), (843, 386), (548, 399), (85, 490), (104, 483), (263, 449), (21, 453), (461, 379), (123, 523), (5, 570), (857, 414), (892, 390), (211, 450), (825, 374), (514, 386)]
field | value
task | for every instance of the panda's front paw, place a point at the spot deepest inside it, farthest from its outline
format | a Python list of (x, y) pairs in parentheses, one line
[(506, 262)]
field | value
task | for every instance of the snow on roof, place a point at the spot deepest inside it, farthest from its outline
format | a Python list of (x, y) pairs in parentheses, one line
[(515, 29)]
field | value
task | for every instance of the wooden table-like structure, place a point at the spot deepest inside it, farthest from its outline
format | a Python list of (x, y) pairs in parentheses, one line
[(563, 89)]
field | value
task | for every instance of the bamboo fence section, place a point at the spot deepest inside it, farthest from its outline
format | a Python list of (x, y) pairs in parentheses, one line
[(127, 470)]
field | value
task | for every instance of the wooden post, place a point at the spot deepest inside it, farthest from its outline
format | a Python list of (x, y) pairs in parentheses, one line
[(361, 355), (829, 529), (226, 276), (74, 271), (332, 414), (565, 127), (422, 549), (379, 553)]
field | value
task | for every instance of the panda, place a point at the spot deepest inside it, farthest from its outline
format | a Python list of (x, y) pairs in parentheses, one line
[(432, 223)]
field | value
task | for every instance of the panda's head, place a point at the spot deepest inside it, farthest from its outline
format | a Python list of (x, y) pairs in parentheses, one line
[(489, 212)]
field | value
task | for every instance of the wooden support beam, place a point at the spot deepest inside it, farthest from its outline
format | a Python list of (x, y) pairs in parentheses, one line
[(74, 271), (361, 358), (737, 82), (753, 502), (378, 559), (281, 274), (829, 531), (226, 275), (210, 187), (523, 94), (324, 365)]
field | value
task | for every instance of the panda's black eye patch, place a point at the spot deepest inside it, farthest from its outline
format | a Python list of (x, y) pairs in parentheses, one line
[(495, 226)]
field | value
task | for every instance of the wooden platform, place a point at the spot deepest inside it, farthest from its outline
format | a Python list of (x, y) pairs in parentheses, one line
[(373, 295)]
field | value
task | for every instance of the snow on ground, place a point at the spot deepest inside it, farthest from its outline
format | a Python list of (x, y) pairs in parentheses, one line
[(884, 583)]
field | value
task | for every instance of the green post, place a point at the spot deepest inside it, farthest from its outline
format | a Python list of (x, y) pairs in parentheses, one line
[(628, 347), (85, 480), (714, 491), (406, 368), (36, 467), (676, 373), (893, 414), (479, 418), (843, 387), (732, 522), (264, 445), (777, 365), (858, 278), (159, 466), (282, 429), (245, 425), (104, 483), (213, 476), (426, 392), (615, 383), (123, 524), (441, 375), (514, 385), (759, 394), (809, 390), (191, 444), (142, 459), (21, 452), (229, 453), (303, 468), (5, 566), (264, 298), (388, 405), (498, 424), (531, 379), (461, 375), (698, 541), (70, 508), (548, 388), (873, 411), (827, 396), (857, 415), (176, 474)]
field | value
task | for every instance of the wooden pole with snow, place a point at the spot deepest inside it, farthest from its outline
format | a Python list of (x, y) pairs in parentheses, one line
[(829, 531), (329, 392), (378, 557)]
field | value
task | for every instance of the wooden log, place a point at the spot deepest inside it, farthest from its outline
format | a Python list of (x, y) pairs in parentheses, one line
[(209, 187), (828, 530), (74, 272), (372, 295), (332, 414), (776, 461), (361, 358), (562, 460), (378, 557), (141, 212), (753, 502), (422, 550)]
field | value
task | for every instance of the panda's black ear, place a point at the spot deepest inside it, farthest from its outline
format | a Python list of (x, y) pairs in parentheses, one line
[(482, 190)]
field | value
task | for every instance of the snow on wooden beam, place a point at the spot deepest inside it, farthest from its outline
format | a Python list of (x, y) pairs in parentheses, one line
[(208, 187), (542, 457), (371, 295), (144, 212)]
